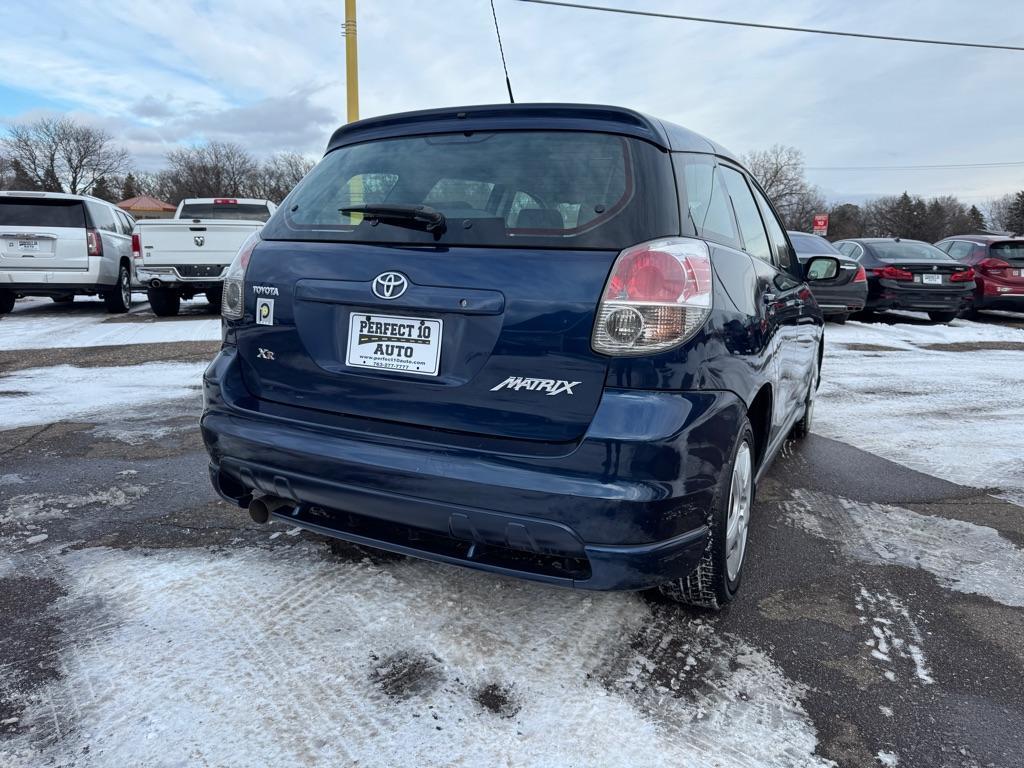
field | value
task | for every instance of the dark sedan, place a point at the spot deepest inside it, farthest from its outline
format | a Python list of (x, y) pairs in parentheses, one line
[(912, 275), (842, 295)]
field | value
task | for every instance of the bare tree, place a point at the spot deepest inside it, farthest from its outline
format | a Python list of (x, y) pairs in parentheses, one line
[(999, 212), (780, 171), (60, 155), (216, 169), (279, 174)]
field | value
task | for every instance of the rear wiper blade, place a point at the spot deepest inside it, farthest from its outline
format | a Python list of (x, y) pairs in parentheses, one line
[(402, 215)]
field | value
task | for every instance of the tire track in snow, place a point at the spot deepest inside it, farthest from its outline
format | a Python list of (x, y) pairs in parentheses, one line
[(962, 556), (267, 658)]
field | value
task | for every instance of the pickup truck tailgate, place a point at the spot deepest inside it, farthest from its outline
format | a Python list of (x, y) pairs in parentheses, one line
[(170, 243)]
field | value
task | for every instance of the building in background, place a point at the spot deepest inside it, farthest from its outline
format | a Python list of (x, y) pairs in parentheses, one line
[(147, 207)]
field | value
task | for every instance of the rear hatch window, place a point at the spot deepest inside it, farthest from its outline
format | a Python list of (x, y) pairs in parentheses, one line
[(1010, 251), (528, 188), (41, 212)]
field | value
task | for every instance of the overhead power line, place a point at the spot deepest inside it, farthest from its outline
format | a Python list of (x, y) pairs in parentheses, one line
[(938, 167), (776, 27)]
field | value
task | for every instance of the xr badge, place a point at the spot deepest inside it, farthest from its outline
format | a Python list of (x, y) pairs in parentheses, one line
[(264, 354)]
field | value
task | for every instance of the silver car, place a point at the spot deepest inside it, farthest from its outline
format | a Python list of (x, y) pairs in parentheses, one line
[(62, 246)]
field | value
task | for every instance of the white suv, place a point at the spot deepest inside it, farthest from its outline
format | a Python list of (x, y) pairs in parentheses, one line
[(62, 246)]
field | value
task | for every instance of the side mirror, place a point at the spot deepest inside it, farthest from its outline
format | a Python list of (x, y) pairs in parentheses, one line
[(821, 268)]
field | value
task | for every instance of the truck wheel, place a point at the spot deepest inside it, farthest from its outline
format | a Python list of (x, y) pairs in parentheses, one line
[(6, 302), (840, 319), (942, 317), (213, 298), (119, 298), (165, 302), (716, 579)]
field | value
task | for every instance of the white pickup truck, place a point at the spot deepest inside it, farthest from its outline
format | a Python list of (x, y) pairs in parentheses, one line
[(182, 257)]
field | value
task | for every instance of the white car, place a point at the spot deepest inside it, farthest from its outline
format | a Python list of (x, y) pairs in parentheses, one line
[(62, 246), (188, 255)]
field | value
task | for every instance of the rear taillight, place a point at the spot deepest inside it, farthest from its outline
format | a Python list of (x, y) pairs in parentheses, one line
[(993, 266), (893, 273), (94, 242), (658, 296), (225, 201), (962, 277), (136, 246), (233, 297), (861, 276)]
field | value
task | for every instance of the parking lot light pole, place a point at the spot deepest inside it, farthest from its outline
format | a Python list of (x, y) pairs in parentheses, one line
[(351, 61)]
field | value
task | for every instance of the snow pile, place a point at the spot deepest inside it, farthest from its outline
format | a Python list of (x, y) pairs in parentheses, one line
[(962, 556), (289, 657), (951, 414), (65, 392), (78, 330)]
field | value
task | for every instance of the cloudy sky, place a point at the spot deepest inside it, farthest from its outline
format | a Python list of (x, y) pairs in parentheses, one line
[(270, 75)]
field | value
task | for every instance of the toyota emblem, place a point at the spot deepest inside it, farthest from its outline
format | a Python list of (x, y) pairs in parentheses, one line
[(390, 285), (199, 240)]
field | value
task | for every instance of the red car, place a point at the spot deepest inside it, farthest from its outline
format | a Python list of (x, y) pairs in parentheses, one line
[(998, 269)]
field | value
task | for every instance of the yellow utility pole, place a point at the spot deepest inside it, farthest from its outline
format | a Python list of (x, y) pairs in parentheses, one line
[(351, 61)]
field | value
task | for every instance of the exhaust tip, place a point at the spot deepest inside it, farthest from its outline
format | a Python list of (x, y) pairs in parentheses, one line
[(259, 511), (154, 283)]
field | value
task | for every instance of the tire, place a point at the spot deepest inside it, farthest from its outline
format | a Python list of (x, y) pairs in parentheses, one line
[(63, 299), (6, 302), (165, 302), (715, 581), (840, 319), (866, 316), (119, 298), (942, 317), (213, 298), (971, 313)]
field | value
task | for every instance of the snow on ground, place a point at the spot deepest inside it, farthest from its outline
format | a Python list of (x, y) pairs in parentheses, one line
[(962, 556), (952, 414), (65, 392), (895, 634), (285, 657), (74, 329)]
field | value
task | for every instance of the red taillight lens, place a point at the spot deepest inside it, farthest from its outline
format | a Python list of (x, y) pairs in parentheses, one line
[(94, 242), (993, 266), (893, 273), (657, 296), (233, 296), (136, 246), (963, 277), (861, 276)]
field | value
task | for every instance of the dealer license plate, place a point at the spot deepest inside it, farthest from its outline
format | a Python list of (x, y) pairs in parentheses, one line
[(387, 342), (931, 279), (28, 245)]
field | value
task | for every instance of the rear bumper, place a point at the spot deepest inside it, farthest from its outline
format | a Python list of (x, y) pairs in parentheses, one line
[(998, 294), (623, 508), (100, 275), (841, 300), (170, 276), (892, 295)]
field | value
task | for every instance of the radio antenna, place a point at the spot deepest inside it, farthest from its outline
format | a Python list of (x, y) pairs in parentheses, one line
[(501, 49)]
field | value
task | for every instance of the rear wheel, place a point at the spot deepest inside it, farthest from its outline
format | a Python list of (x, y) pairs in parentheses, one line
[(6, 302), (119, 298), (942, 317), (716, 579), (165, 302), (213, 298)]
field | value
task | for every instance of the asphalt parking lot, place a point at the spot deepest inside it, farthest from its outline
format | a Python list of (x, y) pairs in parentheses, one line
[(881, 621)]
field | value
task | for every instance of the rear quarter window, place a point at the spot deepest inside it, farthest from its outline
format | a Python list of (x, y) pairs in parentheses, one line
[(19, 212), (705, 202), (558, 189)]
